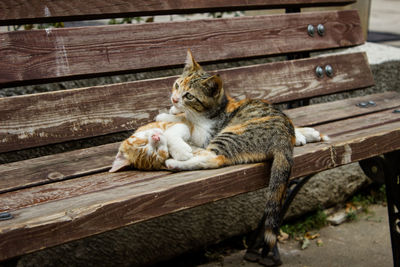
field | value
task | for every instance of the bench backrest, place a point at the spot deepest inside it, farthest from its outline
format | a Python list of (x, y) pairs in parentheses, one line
[(38, 120), (62, 54)]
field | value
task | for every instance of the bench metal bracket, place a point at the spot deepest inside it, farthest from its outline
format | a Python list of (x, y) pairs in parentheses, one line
[(387, 170)]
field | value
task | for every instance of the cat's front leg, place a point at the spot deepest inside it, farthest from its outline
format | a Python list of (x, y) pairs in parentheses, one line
[(204, 159), (168, 117), (177, 136), (175, 111)]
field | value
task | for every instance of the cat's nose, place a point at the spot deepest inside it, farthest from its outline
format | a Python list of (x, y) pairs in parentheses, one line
[(155, 137), (175, 100)]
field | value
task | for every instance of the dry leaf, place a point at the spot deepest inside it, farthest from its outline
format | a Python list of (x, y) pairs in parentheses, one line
[(311, 237), (306, 243), (282, 237)]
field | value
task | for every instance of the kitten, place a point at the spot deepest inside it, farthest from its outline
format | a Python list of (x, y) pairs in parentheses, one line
[(235, 132), (152, 144)]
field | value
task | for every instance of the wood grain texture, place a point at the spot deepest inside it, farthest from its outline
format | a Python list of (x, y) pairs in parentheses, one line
[(342, 109), (75, 114), (48, 169), (94, 207), (64, 54), (34, 11)]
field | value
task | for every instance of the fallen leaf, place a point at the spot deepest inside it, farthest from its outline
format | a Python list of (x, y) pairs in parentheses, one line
[(306, 243), (311, 237), (350, 207), (282, 237), (319, 243)]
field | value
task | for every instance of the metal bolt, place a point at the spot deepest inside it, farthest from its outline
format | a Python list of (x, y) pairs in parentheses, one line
[(362, 105), (321, 29), (311, 30), (319, 71), (5, 216), (371, 103), (329, 70)]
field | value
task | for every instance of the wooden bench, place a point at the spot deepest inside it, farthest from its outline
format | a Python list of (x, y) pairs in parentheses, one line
[(57, 198)]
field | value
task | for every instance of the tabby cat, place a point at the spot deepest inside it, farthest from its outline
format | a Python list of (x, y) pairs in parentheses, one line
[(235, 132), (230, 132)]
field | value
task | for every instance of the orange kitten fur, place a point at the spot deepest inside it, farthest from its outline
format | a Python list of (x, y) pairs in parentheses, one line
[(152, 144)]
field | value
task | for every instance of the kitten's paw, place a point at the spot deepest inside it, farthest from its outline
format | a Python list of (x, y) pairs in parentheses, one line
[(181, 152), (173, 165)]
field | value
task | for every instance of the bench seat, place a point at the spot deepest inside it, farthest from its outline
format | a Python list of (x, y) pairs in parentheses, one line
[(55, 192)]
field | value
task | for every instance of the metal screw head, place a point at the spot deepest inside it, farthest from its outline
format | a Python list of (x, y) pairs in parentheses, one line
[(362, 104), (311, 30), (5, 216), (321, 29), (371, 103), (319, 71), (329, 70)]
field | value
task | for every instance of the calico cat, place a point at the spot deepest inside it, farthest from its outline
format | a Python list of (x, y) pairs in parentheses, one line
[(152, 144), (236, 132), (229, 131)]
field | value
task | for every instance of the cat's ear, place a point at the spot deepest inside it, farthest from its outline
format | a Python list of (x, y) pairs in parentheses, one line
[(190, 64), (119, 162), (213, 85)]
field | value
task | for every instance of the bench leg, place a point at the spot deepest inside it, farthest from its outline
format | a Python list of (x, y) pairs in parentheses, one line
[(392, 181), (387, 170)]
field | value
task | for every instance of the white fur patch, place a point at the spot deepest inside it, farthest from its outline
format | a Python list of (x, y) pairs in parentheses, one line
[(202, 129), (308, 135)]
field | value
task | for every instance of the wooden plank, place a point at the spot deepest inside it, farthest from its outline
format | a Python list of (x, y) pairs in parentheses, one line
[(337, 110), (63, 166), (88, 213), (33, 11), (74, 114), (64, 54), (28, 173), (340, 131), (286, 81)]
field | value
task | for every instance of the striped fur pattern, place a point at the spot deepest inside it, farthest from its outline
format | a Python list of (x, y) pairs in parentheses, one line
[(234, 132)]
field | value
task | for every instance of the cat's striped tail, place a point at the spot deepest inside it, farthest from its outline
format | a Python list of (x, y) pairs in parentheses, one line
[(280, 172)]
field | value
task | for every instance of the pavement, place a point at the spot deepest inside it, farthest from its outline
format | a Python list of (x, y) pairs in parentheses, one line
[(384, 22), (364, 242)]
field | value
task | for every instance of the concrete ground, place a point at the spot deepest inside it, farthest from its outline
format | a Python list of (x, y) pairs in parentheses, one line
[(364, 242), (384, 25)]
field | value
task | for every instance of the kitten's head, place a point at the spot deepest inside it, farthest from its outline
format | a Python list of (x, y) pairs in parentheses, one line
[(196, 91), (144, 150)]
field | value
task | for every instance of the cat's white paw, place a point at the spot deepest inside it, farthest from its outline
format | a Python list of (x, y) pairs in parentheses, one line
[(300, 139), (173, 165), (163, 117), (308, 135), (311, 134), (181, 151), (174, 110)]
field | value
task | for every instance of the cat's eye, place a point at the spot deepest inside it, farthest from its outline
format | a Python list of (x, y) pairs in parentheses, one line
[(189, 96)]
